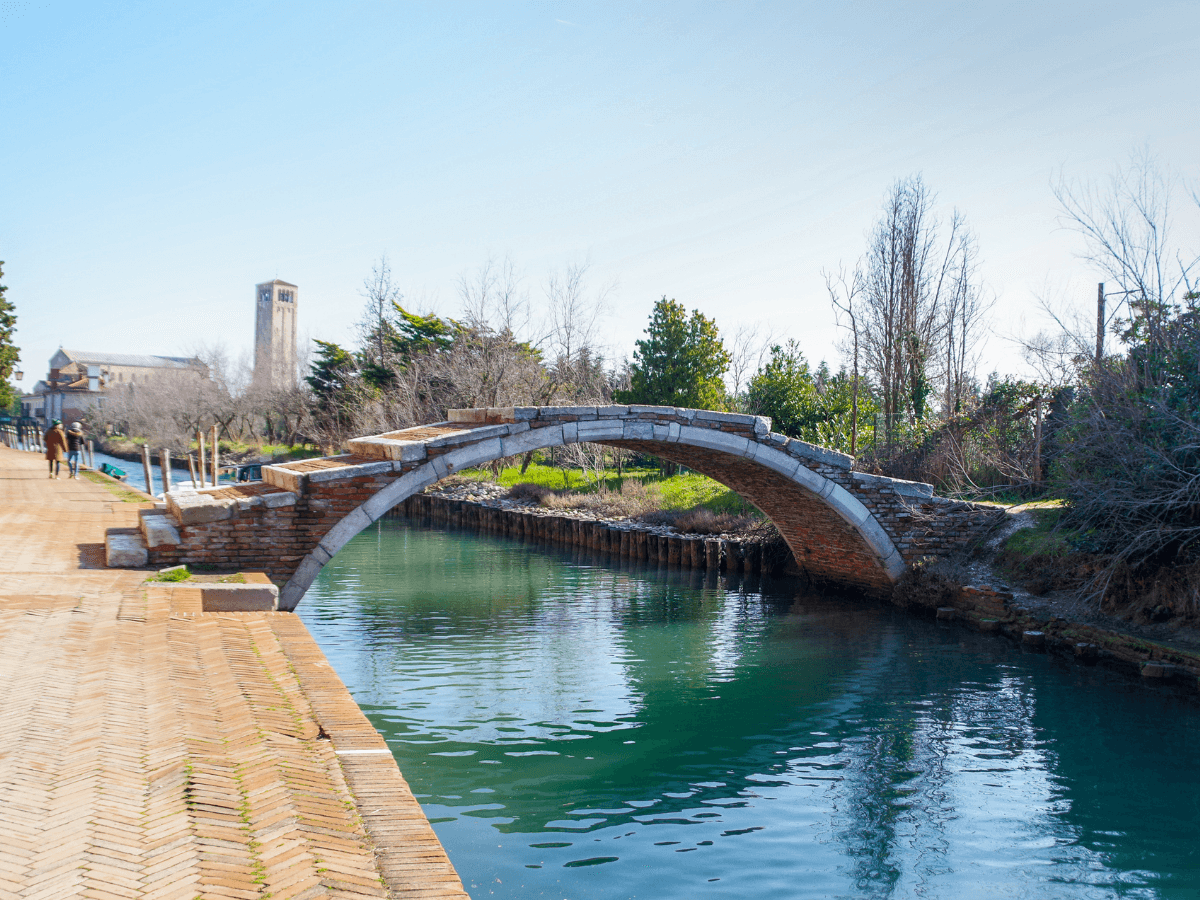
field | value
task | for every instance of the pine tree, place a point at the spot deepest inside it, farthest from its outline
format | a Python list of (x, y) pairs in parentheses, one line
[(680, 363)]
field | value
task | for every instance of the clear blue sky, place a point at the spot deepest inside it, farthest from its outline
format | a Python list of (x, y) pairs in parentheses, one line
[(160, 159)]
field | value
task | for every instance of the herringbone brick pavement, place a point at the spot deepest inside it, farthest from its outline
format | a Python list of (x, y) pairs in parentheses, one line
[(154, 753)]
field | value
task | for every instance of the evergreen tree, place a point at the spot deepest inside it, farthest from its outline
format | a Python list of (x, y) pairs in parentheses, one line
[(680, 363), (332, 372), (10, 354)]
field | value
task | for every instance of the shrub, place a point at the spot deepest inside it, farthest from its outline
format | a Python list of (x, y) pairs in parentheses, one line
[(705, 521), (527, 490)]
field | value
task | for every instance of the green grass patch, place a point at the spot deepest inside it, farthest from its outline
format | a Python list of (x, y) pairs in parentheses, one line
[(683, 491), (691, 490), (172, 575), (1043, 539), (118, 490)]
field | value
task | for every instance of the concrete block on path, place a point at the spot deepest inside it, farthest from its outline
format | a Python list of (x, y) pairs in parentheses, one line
[(160, 531), (239, 597), (124, 551)]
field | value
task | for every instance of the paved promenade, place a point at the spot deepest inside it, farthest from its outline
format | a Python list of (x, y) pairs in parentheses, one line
[(149, 752)]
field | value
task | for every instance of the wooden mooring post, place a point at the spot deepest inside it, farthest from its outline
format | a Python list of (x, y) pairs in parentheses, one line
[(164, 465), (146, 469), (215, 456), (200, 454)]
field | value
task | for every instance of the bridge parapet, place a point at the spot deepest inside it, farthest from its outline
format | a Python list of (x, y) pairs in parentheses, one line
[(843, 526)]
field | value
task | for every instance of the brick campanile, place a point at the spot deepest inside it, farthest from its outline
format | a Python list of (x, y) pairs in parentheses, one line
[(275, 334)]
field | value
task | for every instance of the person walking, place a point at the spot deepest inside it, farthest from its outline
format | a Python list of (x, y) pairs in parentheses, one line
[(75, 441), (56, 446)]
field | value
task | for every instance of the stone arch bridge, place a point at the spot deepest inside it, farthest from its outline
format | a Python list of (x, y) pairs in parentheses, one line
[(844, 527)]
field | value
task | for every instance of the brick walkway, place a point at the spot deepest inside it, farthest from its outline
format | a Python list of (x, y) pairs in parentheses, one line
[(148, 753)]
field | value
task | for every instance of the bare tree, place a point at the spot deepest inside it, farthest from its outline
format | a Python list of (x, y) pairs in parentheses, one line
[(382, 297), (844, 294), (918, 308), (574, 312), (748, 349), (1127, 232)]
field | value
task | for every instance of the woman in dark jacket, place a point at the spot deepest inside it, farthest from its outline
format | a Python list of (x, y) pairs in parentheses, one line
[(56, 447)]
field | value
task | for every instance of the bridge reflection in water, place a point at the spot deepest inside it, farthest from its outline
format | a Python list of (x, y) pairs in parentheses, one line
[(582, 730)]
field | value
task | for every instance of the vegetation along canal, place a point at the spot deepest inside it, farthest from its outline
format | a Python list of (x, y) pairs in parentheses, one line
[(576, 729)]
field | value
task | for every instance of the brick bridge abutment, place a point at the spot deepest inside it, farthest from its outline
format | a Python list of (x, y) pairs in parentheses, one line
[(845, 528)]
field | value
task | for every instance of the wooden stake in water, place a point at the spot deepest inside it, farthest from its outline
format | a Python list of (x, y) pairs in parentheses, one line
[(192, 470), (91, 454), (216, 457), (164, 465), (146, 469), (200, 454)]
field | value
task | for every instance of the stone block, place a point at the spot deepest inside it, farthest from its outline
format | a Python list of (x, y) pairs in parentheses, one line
[(550, 412), (278, 500), (813, 453), (531, 439), (288, 479), (467, 416), (238, 597), (570, 432), (733, 444), (369, 447), (474, 455), (402, 451), (124, 551), (199, 508), (900, 486), (709, 415), (339, 473), (160, 531), (601, 429), (638, 431), (1153, 668)]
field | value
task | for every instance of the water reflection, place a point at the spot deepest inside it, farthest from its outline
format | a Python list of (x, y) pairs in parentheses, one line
[(575, 729)]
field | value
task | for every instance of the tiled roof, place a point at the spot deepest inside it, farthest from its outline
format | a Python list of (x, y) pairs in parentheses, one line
[(130, 359)]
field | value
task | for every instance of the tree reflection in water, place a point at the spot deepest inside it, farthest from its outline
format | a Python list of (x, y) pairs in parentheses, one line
[(632, 732)]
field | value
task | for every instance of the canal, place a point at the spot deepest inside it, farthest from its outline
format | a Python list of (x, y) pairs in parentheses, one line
[(580, 728)]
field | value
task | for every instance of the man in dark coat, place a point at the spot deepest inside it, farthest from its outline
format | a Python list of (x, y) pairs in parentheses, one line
[(56, 447)]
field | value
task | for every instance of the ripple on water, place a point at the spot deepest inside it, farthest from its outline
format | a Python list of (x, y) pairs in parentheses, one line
[(849, 751)]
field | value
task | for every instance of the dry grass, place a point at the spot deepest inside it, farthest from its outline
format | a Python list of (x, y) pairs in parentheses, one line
[(632, 501)]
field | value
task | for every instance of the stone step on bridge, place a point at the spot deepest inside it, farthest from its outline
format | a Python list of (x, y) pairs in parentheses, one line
[(845, 528)]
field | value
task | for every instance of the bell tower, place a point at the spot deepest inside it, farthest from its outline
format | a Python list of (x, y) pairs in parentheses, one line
[(275, 334)]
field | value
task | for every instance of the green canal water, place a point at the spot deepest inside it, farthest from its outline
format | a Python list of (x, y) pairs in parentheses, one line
[(581, 728)]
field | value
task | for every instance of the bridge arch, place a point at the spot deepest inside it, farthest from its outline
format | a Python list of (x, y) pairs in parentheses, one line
[(832, 533)]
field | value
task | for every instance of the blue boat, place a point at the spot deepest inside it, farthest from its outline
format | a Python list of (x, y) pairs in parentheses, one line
[(109, 469)]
